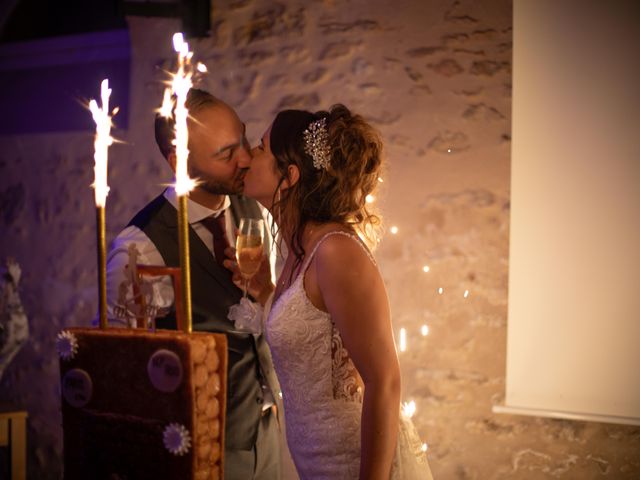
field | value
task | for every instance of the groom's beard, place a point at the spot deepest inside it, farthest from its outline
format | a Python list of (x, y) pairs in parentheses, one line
[(233, 186)]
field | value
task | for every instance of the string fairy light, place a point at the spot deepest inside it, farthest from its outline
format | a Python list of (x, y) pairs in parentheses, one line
[(403, 339), (409, 408), (370, 198)]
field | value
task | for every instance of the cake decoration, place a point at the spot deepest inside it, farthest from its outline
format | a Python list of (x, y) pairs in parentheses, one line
[(144, 401), (77, 387), (165, 370), (66, 345), (176, 439), (140, 299)]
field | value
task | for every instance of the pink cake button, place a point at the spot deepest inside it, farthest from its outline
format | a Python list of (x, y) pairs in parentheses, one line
[(165, 370), (77, 387)]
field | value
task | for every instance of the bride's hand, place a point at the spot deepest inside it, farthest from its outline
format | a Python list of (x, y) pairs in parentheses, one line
[(260, 286)]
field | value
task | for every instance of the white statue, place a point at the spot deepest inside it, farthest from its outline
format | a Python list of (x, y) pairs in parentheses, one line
[(14, 326)]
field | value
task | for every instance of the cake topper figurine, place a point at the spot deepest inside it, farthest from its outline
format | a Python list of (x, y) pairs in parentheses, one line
[(137, 305)]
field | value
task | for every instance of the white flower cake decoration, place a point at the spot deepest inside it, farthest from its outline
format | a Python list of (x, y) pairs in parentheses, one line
[(66, 345), (176, 439)]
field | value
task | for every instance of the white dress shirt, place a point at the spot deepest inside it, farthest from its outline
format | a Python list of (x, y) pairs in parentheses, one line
[(118, 257)]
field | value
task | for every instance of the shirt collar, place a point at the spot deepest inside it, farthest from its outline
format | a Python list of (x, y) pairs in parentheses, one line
[(195, 211)]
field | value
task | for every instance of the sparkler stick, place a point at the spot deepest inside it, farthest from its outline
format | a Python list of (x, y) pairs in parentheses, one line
[(101, 144), (180, 87)]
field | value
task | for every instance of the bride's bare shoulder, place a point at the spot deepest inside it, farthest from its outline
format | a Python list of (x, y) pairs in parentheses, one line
[(342, 247)]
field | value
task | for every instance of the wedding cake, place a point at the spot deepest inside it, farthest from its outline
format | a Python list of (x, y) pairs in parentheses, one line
[(142, 405)]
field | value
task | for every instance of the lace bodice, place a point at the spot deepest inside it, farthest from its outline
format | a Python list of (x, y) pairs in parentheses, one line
[(322, 391)]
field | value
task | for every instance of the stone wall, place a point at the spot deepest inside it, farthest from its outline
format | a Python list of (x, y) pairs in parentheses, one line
[(435, 78)]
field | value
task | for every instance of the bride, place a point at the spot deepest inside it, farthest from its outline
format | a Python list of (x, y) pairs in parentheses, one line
[(329, 327)]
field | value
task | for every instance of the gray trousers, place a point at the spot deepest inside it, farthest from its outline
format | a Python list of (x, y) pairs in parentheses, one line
[(262, 462)]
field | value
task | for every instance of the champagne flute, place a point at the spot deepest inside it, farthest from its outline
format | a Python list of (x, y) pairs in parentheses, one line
[(249, 248)]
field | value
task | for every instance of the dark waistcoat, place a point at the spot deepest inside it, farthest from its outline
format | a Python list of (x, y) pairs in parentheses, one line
[(212, 293)]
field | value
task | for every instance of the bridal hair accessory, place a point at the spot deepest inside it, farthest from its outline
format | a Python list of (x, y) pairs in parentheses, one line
[(316, 143)]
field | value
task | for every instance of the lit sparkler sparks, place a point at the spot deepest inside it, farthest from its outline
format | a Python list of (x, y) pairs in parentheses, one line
[(180, 86), (167, 104), (102, 142)]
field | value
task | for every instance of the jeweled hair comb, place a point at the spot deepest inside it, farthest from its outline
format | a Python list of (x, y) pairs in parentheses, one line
[(316, 143)]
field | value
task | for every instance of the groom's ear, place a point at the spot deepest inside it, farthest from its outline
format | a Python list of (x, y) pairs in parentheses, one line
[(293, 175), (172, 159)]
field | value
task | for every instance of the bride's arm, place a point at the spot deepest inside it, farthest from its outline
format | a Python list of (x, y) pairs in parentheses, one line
[(354, 294)]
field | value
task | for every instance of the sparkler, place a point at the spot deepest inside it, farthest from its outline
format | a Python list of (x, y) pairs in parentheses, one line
[(101, 144), (180, 87)]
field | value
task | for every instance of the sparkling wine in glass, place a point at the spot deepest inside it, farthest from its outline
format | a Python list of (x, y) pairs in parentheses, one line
[(249, 248)]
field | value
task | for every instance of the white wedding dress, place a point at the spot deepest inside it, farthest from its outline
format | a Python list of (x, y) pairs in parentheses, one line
[(321, 392)]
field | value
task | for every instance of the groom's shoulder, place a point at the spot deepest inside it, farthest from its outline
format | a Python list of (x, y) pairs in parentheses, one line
[(150, 211)]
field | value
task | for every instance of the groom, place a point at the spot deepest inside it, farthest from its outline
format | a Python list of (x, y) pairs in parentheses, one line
[(219, 157)]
